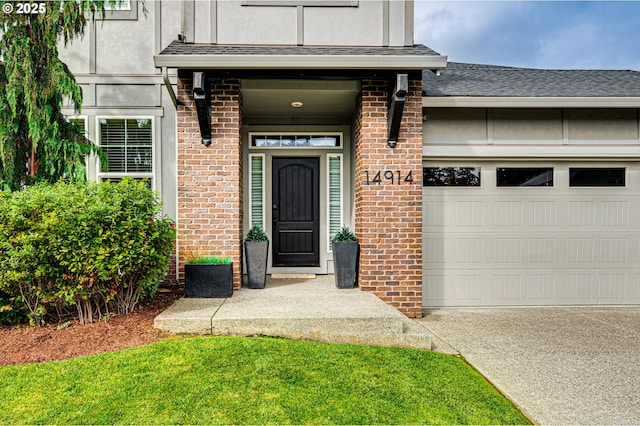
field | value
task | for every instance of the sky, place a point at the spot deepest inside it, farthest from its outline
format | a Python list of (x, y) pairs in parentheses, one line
[(533, 34)]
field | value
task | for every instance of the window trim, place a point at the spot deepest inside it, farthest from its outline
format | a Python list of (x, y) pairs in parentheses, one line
[(100, 175), (115, 14), (84, 118)]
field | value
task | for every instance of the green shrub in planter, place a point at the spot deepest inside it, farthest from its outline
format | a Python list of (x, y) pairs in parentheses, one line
[(345, 258), (256, 252), (208, 277)]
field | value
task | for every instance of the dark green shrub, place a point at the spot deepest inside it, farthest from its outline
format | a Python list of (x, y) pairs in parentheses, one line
[(344, 235), (91, 248), (257, 234), (11, 310)]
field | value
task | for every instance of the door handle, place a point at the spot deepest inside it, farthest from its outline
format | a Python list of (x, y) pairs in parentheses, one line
[(275, 213)]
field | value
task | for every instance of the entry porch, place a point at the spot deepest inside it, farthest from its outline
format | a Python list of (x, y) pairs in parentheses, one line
[(305, 309)]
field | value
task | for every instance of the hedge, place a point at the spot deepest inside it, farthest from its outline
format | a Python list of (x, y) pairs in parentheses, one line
[(86, 248)]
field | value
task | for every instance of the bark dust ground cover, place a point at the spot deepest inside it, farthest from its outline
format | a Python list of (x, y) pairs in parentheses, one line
[(25, 344)]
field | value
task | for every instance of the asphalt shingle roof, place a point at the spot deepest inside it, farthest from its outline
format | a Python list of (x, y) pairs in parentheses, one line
[(460, 79), (179, 48)]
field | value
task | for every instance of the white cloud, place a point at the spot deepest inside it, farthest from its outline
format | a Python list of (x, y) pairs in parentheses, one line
[(533, 34)]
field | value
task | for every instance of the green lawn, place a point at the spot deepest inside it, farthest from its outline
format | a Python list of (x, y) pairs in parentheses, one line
[(233, 380)]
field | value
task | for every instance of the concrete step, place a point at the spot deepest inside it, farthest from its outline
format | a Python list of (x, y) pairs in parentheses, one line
[(305, 310)]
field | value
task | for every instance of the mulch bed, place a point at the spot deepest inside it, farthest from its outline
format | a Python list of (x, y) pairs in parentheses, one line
[(25, 344)]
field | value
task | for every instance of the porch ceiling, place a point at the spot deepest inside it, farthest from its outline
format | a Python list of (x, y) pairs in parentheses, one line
[(320, 98)]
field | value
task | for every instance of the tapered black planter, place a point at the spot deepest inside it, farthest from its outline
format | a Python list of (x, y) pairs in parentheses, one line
[(206, 280), (255, 256), (345, 263)]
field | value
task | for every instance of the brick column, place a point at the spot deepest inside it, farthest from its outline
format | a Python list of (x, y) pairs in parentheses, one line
[(388, 214), (209, 217)]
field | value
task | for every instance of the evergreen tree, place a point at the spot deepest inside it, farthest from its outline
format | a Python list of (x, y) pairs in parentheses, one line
[(36, 141)]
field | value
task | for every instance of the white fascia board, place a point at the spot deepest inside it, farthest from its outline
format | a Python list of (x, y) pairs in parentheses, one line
[(629, 153), (529, 102), (120, 79), (377, 62), (117, 111)]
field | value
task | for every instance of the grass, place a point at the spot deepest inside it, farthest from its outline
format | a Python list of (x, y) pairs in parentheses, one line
[(230, 380), (210, 260)]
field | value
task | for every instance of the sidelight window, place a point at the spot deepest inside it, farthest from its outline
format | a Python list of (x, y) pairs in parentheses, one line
[(256, 189), (334, 164)]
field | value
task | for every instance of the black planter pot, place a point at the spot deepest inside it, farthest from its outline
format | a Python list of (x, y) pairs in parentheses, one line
[(345, 263), (255, 256), (208, 280)]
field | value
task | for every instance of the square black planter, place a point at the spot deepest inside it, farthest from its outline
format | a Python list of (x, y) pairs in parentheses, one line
[(345, 263), (206, 280)]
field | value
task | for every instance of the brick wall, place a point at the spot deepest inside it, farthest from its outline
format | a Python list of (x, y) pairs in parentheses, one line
[(388, 215), (210, 178)]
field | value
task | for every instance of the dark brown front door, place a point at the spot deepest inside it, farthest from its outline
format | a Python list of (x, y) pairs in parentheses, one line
[(296, 212)]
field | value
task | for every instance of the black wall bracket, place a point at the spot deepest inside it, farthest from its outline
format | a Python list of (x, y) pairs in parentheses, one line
[(397, 98), (202, 97)]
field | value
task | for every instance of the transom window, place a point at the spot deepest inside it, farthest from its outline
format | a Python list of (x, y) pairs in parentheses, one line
[(302, 140), (524, 176)]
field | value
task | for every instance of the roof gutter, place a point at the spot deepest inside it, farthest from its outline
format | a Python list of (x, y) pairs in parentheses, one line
[(529, 102), (350, 62)]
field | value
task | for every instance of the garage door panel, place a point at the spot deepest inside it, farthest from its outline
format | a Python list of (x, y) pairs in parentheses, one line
[(581, 214), (507, 251), (539, 289), (612, 288), (469, 213), (527, 287), (541, 213), (508, 214), (517, 246), (614, 214), (468, 251), (541, 251)]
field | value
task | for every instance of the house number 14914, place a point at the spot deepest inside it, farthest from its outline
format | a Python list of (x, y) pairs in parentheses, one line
[(388, 177)]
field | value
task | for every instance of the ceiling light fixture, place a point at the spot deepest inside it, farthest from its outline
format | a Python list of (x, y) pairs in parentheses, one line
[(296, 104)]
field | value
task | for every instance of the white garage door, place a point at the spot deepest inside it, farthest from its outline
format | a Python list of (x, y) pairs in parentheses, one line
[(514, 234)]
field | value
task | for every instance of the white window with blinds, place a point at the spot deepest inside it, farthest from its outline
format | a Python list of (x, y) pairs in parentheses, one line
[(80, 123), (127, 144), (334, 194), (256, 189)]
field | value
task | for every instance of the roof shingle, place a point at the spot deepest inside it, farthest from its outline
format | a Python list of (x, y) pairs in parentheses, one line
[(179, 48), (460, 79)]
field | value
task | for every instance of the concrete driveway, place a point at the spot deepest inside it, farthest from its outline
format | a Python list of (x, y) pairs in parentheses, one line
[(559, 365)]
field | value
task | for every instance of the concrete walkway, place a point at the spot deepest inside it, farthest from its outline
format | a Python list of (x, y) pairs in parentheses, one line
[(307, 309), (560, 365)]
